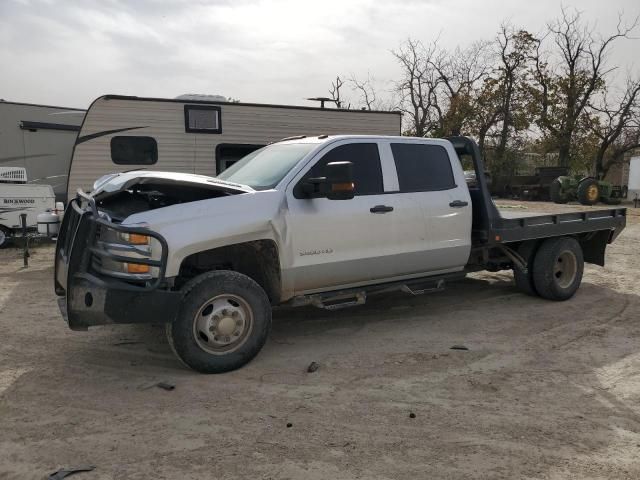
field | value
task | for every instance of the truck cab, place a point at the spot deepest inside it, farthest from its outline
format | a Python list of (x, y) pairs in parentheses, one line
[(321, 220)]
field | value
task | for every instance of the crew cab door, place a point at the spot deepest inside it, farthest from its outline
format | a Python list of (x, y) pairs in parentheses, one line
[(347, 242), (431, 181)]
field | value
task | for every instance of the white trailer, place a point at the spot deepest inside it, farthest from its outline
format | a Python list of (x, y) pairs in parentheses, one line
[(39, 138), (634, 179), (17, 198), (190, 135)]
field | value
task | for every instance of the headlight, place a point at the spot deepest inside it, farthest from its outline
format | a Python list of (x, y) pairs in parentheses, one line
[(132, 246)]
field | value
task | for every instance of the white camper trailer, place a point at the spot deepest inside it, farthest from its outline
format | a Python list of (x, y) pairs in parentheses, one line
[(634, 179), (39, 138), (18, 197), (193, 136)]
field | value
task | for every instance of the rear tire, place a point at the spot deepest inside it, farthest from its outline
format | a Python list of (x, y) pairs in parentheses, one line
[(557, 268), (588, 192), (223, 323), (5, 236), (524, 281), (556, 194)]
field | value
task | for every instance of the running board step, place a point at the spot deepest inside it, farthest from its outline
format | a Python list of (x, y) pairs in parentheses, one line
[(423, 287), (336, 302)]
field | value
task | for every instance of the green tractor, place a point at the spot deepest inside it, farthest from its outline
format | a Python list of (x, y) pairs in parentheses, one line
[(586, 190)]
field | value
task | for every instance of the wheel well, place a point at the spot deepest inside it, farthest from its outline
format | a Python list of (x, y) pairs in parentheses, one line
[(258, 260), (593, 245)]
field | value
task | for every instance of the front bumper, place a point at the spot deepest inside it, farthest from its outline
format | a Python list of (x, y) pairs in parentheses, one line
[(90, 302), (86, 296)]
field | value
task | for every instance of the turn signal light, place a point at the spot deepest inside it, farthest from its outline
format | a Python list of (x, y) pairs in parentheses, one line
[(343, 187), (137, 268), (138, 239)]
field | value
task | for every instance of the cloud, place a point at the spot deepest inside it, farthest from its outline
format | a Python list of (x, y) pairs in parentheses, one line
[(277, 51)]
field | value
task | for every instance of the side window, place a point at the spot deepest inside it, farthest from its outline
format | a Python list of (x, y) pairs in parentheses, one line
[(367, 172), (134, 150), (202, 119), (422, 168)]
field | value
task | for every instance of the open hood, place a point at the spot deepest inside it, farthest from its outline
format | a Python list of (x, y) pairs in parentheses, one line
[(122, 194), (115, 182)]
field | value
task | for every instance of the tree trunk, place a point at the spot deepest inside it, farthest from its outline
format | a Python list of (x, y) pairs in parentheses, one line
[(564, 152)]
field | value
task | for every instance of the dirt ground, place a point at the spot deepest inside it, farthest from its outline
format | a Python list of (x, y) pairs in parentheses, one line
[(546, 390)]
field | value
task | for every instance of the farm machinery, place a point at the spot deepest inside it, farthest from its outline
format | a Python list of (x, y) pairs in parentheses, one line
[(586, 190)]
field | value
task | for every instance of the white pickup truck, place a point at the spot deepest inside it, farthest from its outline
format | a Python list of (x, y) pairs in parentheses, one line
[(322, 220)]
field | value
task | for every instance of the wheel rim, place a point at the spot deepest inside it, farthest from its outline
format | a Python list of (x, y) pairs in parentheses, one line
[(592, 193), (565, 269), (3, 237), (222, 324)]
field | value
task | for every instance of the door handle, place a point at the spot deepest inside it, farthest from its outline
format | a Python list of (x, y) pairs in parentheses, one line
[(381, 209), (458, 204)]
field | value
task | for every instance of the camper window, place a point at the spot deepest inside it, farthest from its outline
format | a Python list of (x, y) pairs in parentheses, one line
[(229, 153), (134, 150), (202, 119)]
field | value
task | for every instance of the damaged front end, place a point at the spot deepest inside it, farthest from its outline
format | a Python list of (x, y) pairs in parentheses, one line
[(102, 278), (108, 272)]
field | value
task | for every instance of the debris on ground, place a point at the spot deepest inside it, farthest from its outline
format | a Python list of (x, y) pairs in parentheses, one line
[(412, 415), (289, 425), (165, 385), (459, 347), (65, 472), (313, 366)]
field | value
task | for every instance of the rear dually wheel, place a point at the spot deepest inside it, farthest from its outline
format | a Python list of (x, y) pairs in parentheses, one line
[(558, 268)]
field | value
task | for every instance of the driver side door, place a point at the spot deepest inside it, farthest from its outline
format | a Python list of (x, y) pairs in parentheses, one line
[(346, 242)]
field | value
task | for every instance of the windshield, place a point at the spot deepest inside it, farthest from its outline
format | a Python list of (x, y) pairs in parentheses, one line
[(264, 168)]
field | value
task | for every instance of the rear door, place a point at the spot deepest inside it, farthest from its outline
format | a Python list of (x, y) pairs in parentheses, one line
[(432, 182)]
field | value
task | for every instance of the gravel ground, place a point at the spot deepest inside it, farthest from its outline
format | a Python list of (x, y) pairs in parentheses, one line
[(545, 389)]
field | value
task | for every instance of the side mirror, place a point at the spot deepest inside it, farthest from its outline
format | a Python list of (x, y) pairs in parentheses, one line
[(337, 185), (340, 184)]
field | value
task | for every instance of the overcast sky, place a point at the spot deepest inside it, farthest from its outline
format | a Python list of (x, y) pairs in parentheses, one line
[(272, 51)]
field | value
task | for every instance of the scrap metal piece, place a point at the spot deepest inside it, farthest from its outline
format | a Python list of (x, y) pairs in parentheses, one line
[(65, 472)]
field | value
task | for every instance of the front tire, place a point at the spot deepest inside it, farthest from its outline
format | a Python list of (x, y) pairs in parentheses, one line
[(556, 194), (557, 268), (223, 322)]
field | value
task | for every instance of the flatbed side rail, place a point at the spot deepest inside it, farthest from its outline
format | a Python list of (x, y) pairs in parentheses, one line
[(540, 226)]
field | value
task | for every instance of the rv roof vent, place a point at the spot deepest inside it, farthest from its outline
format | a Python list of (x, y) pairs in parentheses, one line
[(201, 97), (13, 175)]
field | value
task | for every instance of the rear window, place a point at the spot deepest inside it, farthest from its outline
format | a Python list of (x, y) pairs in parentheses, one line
[(134, 150), (367, 172), (422, 168)]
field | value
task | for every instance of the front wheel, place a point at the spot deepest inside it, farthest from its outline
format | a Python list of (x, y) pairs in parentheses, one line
[(558, 268), (223, 323), (556, 192)]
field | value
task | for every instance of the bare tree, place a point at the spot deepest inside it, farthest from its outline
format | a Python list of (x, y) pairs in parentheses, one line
[(514, 50), (566, 88), (335, 91), (366, 90), (617, 127), (417, 87), (458, 75)]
